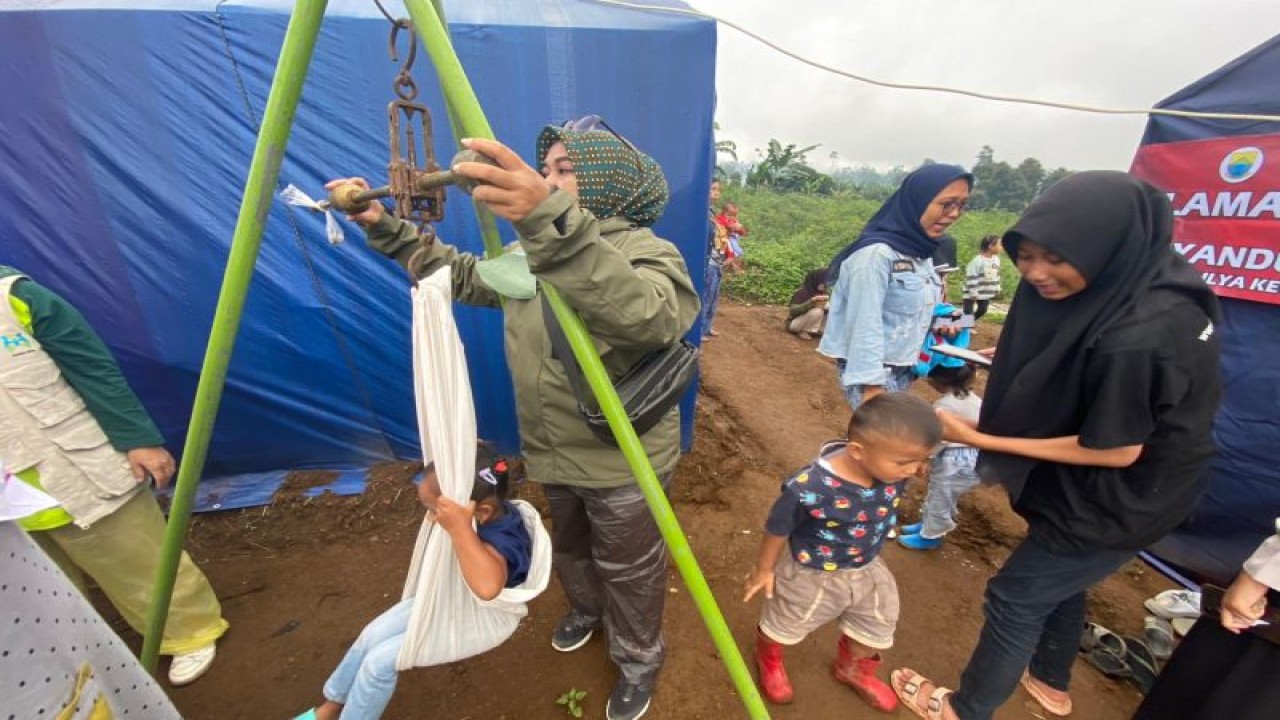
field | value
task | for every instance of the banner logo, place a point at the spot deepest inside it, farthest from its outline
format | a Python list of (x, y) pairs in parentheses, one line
[(1240, 164)]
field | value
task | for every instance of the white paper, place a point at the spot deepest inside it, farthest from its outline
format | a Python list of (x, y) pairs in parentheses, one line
[(963, 354)]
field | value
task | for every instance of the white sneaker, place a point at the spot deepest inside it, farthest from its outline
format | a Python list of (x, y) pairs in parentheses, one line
[(1172, 604), (188, 667)]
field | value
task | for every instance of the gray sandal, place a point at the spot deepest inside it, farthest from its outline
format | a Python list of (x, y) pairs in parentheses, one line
[(1115, 665), (1095, 636), (1158, 634), (1142, 664)]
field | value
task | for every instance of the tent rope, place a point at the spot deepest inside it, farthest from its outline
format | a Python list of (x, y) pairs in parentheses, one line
[(945, 89)]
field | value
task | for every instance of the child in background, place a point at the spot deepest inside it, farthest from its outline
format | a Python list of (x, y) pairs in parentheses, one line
[(819, 559), (728, 219), (493, 555), (953, 472), (982, 277)]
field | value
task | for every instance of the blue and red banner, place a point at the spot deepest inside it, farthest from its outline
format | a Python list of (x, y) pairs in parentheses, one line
[(1226, 203)]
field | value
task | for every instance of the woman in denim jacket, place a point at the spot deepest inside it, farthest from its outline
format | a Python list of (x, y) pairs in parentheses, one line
[(884, 287)]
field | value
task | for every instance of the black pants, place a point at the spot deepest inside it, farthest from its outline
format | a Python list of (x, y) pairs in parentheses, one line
[(979, 310), (612, 563), (1035, 609)]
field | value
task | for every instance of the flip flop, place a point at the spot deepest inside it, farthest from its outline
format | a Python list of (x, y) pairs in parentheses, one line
[(1095, 635), (1051, 706), (1109, 663), (907, 682), (1172, 604), (1158, 634), (1142, 664)]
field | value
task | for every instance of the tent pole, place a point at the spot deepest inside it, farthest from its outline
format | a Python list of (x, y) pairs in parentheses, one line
[(259, 192), (461, 100)]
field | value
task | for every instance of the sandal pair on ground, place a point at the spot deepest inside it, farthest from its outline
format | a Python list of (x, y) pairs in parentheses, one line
[(908, 684), (1128, 657)]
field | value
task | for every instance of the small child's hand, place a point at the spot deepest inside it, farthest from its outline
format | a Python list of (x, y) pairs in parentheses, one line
[(454, 517), (757, 581)]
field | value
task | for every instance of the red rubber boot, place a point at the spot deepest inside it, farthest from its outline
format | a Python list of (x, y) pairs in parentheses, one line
[(773, 676), (860, 674)]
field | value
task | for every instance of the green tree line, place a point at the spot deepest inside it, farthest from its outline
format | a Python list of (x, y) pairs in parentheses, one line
[(788, 169)]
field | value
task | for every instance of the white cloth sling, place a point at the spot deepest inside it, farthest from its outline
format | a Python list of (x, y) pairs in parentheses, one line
[(448, 622)]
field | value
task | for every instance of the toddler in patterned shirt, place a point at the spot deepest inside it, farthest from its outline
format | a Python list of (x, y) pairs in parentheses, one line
[(819, 559)]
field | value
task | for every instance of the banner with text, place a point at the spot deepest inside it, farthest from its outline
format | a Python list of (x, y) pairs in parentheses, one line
[(1226, 206)]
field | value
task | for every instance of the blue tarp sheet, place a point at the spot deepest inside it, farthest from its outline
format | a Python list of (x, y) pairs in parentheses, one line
[(128, 129), (1243, 499)]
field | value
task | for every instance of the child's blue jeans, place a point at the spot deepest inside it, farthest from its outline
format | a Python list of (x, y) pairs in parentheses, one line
[(951, 476), (366, 677)]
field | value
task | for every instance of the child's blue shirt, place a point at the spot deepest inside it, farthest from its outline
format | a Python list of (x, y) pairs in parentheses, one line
[(831, 523), (509, 537)]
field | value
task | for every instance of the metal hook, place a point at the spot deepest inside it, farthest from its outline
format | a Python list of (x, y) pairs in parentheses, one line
[(413, 43), (403, 85)]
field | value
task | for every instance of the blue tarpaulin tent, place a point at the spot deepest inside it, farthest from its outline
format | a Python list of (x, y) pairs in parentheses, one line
[(1224, 178), (127, 133)]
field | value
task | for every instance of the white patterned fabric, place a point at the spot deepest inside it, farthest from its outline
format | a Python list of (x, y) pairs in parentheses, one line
[(57, 652)]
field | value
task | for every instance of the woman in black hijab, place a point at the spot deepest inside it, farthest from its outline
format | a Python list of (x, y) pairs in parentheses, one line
[(1096, 420)]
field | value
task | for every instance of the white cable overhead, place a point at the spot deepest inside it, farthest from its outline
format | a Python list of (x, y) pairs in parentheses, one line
[(943, 89)]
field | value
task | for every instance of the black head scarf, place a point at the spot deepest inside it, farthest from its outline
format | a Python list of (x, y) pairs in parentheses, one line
[(1115, 230), (897, 222)]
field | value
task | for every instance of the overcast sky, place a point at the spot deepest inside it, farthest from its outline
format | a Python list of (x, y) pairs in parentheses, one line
[(1124, 53)]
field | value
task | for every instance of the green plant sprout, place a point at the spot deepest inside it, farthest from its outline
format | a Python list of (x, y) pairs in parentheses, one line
[(572, 701)]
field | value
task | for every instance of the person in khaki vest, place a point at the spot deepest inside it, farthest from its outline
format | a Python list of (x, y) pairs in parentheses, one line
[(584, 226), (71, 426)]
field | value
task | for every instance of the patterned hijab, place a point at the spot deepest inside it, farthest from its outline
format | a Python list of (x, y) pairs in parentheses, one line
[(614, 179)]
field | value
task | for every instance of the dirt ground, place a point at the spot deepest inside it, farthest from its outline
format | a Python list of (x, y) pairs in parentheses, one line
[(299, 578)]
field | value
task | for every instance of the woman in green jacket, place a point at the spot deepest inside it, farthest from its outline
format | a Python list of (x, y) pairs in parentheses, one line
[(583, 224)]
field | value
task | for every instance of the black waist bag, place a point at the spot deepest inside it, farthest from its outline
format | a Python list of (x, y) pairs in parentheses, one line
[(648, 389)]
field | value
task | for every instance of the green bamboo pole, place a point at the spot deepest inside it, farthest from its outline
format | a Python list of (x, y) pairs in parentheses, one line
[(465, 115), (488, 225), (259, 192), (464, 105)]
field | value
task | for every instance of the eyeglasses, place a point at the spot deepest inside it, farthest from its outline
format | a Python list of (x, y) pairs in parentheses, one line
[(954, 206)]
